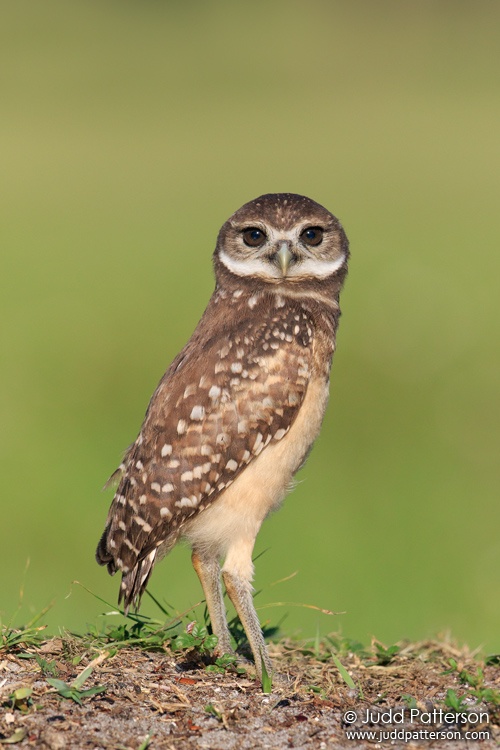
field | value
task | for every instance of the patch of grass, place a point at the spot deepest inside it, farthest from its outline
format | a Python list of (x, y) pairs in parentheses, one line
[(28, 635), (345, 646), (138, 630), (476, 681)]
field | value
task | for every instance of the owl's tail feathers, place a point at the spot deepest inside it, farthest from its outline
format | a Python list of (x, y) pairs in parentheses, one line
[(102, 554), (134, 582)]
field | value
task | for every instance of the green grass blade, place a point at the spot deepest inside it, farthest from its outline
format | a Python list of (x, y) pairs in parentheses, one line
[(344, 673), (267, 683)]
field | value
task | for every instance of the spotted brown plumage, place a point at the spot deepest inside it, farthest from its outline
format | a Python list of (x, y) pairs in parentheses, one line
[(237, 411)]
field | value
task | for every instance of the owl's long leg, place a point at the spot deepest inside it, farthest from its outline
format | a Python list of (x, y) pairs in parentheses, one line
[(208, 571), (238, 573)]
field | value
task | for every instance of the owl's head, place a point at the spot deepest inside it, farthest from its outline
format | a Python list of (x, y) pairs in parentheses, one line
[(282, 238)]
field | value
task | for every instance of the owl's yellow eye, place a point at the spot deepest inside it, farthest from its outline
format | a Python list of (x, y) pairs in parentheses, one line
[(254, 237), (312, 236)]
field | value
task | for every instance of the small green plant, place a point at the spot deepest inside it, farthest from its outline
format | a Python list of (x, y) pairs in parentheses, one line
[(20, 699), (210, 709), (384, 655), (454, 701), (225, 663), (73, 691), (474, 680), (196, 637), (46, 667), (409, 700), (453, 667)]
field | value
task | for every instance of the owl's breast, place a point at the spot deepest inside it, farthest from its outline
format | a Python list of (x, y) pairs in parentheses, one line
[(260, 489)]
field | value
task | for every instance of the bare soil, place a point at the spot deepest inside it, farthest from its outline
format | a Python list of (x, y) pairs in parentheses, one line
[(166, 700)]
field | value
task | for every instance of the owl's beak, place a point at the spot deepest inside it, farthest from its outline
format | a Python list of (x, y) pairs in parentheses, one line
[(284, 257)]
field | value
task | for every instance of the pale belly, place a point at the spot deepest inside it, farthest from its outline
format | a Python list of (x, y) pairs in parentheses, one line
[(235, 517)]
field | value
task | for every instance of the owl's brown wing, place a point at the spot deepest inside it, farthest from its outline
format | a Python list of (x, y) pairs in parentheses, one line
[(210, 416)]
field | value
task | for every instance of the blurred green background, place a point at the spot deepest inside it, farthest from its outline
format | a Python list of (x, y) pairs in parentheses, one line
[(129, 132)]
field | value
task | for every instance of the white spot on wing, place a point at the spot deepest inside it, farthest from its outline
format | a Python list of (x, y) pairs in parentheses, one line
[(187, 502), (131, 547), (197, 412), (141, 522), (257, 442)]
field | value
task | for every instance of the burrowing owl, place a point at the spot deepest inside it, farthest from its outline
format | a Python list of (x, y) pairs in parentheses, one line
[(237, 411)]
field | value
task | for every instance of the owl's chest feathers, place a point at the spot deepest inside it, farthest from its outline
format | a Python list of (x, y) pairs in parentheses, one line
[(239, 512)]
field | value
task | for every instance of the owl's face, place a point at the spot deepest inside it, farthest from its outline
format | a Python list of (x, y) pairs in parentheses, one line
[(282, 238)]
